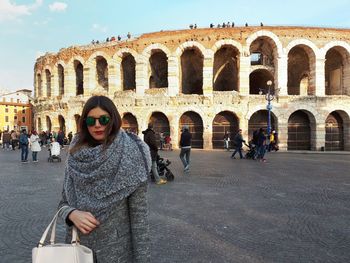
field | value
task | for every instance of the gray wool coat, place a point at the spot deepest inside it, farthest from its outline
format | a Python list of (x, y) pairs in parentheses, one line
[(124, 236)]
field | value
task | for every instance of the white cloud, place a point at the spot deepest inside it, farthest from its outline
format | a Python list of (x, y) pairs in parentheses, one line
[(58, 7), (39, 54), (12, 11), (97, 27)]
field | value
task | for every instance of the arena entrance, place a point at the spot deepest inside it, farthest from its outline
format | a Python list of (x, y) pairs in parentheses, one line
[(194, 121), (160, 124), (334, 132), (62, 123), (299, 131), (223, 122), (129, 123), (259, 120)]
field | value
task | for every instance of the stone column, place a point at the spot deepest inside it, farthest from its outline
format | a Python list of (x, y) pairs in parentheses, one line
[(54, 84), (69, 82), (173, 76), (346, 78), (174, 132), (141, 75), (208, 65), (89, 80), (346, 135), (208, 132), (283, 134), (244, 125), (320, 77), (244, 72), (113, 77), (318, 136), (282, 76)]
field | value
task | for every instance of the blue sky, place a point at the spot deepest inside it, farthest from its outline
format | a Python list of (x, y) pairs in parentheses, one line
[(29, 28)]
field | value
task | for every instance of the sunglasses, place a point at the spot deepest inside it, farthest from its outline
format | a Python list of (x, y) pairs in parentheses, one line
[(103, 120)]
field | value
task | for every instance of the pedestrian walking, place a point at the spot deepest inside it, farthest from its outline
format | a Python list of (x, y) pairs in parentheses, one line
[(35, 145), (150, 139), (6, 139), (105, 187), (185, 144), (238, 141), (14, 139), (261, 145), (24, 141)]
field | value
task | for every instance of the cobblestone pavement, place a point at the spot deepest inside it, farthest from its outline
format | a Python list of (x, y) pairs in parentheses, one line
[(294, 208)]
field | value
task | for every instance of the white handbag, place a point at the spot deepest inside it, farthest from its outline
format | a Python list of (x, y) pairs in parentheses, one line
[(61, 253)]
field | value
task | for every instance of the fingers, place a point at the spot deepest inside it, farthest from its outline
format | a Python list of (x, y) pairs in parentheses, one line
[(84, 221)]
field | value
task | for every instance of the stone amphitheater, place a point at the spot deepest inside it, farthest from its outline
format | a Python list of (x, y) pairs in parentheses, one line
[(215, 80)]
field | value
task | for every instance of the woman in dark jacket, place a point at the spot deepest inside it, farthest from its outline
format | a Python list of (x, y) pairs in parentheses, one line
[(105, 186)]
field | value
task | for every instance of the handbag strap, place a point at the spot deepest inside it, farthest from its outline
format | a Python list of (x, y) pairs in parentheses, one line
[(52, 225)]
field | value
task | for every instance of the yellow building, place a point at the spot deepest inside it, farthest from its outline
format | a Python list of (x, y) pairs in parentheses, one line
[(16, 111)]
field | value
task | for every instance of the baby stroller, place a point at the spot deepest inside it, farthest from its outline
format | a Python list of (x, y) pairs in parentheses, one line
[(251, 154), (54, 152), (163, 170)]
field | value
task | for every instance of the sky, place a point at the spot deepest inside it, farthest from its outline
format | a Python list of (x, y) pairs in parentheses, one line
[(30, 28)]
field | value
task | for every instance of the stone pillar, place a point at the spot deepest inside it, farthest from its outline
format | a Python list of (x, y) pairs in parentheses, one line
[(69, 82), (174, 132), (244, 72), (118, 74), (113, 77), (173, 76), (283, 134), (346, 78), (282, 76), (318, 136), (320, 77), (89, 80), (208, 65), (54, 85), (208, 132), (346, 135), (141, 75), (244, 125)]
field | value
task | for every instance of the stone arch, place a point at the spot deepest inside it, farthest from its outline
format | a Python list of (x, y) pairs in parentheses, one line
[(301, 130), (147, 52), (227, 42), (192, 63), (48, 124), (337, 71), (62, 123), (259, 119), (79, 77), (129, 123), (267, 34), (128, 71), (302, 67), (60, 74), (158, 69), (102, 72), (224, 121), (337, 130), (226, 68), (195, 123), (258, 81), (48, 82), (190, 44), (160, 124)]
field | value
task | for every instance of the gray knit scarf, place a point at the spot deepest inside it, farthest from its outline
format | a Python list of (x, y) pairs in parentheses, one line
[(97, 179)]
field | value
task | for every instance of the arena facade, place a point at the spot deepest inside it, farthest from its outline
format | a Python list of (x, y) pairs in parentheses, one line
[(213, 80)]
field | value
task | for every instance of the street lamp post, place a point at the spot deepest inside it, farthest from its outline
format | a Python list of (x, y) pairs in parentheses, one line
[(269, 96)]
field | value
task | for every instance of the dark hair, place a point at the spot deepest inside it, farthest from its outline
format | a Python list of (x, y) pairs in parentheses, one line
[(112, 128)]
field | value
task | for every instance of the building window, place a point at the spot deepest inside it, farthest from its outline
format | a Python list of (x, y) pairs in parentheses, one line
[(23, 111), (6, 109), (23, 119), (6, 118)]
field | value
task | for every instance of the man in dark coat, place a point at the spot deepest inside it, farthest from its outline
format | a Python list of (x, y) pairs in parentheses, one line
[(238, 144), (185, 144), (150, 139)]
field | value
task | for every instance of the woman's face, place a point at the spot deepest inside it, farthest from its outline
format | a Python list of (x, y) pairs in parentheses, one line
[(96, 128)]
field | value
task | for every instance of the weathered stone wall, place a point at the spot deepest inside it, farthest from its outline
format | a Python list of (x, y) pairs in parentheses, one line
[(294, 58)]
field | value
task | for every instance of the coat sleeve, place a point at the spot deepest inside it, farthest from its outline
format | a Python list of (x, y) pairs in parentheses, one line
[(138, 209), (66, 208)]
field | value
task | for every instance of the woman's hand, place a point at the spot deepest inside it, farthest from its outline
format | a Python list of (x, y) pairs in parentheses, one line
[(84, 221)]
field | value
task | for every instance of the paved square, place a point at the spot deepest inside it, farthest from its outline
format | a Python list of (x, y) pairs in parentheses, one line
[(295, 208)]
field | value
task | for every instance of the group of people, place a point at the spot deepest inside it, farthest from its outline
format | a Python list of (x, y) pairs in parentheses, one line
[(258, 145)]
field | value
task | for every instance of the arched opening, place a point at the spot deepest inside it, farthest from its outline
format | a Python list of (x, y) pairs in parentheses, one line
[(158, 63), (62, 123), (60, 71), (195, 123), (225, 75), (223, 122), (79, 77), (263, 51), (299, 131), (160, 124), (48, 83), (48, 124), (334, 132), (39, 85), (301, 71), (128, 70), (129, 123), (334, 71), (260, 120), (77, 120), (258, 81), (192, 71), (102, 72)]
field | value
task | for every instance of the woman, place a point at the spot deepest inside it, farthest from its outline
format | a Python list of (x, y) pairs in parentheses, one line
[(34, 145), (105, 186)]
